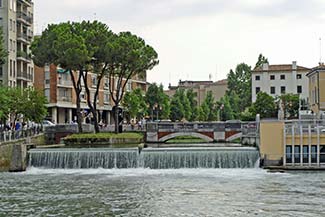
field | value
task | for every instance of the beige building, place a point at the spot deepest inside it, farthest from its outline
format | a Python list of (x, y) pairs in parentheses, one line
[(293, 144), (16, 20), (201, 88), (317, 90)]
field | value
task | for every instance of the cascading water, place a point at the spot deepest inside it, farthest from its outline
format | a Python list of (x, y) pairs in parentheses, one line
[(154, 158)]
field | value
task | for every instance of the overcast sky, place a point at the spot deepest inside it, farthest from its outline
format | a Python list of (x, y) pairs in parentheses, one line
[(195, 38)]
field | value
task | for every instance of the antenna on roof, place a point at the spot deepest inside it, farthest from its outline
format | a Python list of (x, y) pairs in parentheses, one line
[(320, 51), (210, 77)]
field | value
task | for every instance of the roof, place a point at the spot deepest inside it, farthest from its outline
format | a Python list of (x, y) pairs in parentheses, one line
[(318, 68), (280, 68)]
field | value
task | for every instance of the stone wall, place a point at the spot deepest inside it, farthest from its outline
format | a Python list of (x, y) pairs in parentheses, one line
[(13, 157)]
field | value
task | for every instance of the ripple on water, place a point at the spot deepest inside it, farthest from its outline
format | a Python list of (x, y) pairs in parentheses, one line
[(145, 192)]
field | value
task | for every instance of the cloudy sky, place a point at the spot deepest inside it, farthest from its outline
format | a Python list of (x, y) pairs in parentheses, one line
[(196, 38)]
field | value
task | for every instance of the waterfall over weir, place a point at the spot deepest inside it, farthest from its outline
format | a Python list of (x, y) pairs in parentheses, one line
[(154, 158)]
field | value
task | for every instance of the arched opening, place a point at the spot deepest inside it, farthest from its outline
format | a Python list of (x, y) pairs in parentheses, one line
[(187, 136)]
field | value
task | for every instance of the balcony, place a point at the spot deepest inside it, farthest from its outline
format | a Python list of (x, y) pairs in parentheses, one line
[(23, 56), (23, 37), (322, 105), (65, 83), (64, 99), (29, 3), (24, 18), (23, 75)]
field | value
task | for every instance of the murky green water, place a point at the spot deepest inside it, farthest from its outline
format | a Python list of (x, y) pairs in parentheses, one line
[(176, 192)]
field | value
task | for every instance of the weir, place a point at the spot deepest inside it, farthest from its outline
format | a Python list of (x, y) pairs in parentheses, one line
[(154, 158)]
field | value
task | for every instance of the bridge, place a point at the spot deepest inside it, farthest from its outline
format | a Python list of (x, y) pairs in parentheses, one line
[(209, 131)]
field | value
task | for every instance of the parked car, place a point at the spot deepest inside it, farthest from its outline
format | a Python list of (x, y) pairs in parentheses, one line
[(46, 123)]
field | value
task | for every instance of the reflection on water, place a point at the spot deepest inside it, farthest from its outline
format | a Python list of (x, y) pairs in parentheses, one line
[(145, 192)]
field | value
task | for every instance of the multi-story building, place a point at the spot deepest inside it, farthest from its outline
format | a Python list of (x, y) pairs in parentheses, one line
[(58, 89), (276, 80), (16, 20), (317, 90), (201, 88)]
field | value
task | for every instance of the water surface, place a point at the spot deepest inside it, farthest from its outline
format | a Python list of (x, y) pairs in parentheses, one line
[(172, 192)]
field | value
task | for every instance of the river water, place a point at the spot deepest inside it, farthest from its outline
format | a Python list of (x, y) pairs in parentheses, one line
[(169, 192)]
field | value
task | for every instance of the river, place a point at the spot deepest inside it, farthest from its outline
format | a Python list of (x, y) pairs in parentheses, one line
[(166, 192)]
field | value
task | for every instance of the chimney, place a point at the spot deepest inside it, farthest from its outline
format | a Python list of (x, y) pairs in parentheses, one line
[(265, 66), (294, 65)]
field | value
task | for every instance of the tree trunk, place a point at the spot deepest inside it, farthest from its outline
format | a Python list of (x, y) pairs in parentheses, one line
[(79, 116), (116, 119)]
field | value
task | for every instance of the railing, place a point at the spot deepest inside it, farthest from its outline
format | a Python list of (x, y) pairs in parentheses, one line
[(64, 82), (25, 17), (11, 135), (195, 126), (64, 99), (24, 36), (23, 55)]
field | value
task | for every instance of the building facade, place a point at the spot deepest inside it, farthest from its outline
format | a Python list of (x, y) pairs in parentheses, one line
[(276, 80), (201, 88), (59, 91), (317, 90), (16, 20)]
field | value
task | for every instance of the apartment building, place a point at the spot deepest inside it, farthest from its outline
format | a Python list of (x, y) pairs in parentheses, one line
[(201, 88), (276, 80), (316, 78), (16, 20), (58, 89)]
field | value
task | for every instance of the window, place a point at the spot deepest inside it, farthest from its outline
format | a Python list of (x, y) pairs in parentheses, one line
[(288, 154), (1, 71), (10, 24), (298, 76), (10, 66), (272, 90), (322, 154), (313, 154), (297, 154), (257, 78), (257, 90), (14, 68), (282, 77), (47, 94), (305, 154), (283, 89), (10, 4), (0, 3), (272, 77), (299, 89), (106, 97), (94, 80)]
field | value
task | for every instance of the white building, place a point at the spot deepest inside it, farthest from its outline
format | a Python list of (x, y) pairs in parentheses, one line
[(276, 80), (16, 21)]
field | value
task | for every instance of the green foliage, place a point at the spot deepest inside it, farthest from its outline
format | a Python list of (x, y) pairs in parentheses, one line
[(239, 83), (191, 95), (3, 51), (135, 103), (177, 112), (28, 104), (261, 60), (209, 107), (155, 97), (225, 110), (264, 105), (290, 105)]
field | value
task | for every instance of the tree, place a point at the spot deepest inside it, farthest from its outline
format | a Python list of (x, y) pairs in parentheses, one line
[(34, 109), (156, 98), (265, 106), (261, 60), (224, 109), (208, 109), (176, 109), (98, 40), (62, 45), (290, 105), (191, 96), (135, 104), (239, 83), (130, 56), (3, 51)]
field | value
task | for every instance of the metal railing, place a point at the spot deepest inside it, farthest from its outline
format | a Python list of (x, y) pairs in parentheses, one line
[(12, 135)]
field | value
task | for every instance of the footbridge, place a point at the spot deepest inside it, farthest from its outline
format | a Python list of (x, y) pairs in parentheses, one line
[(208, 131)]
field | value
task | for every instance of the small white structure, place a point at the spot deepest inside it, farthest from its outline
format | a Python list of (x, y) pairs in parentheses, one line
[(276, 80)]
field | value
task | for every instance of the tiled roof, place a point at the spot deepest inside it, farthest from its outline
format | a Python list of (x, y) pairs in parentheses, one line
[(280, 68)]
